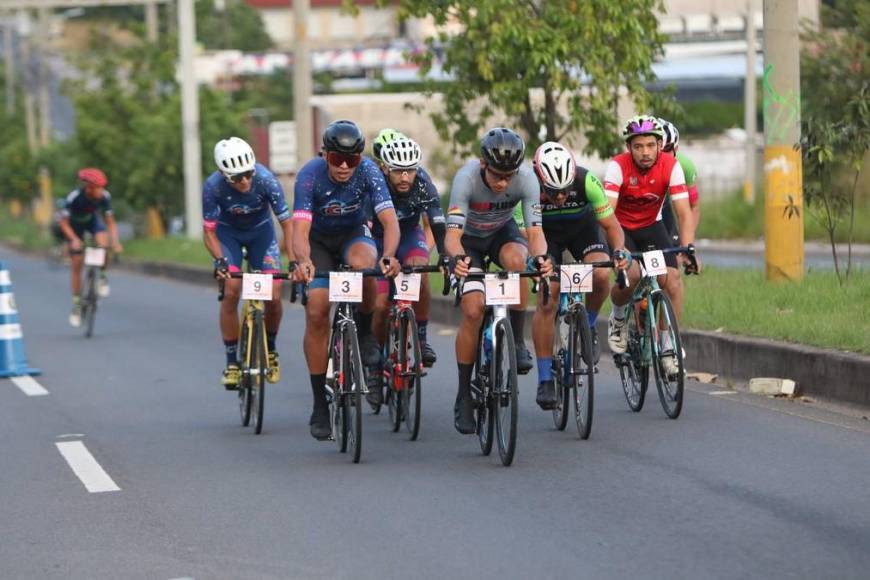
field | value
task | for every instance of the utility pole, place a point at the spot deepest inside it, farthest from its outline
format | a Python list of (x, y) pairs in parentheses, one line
[(151, 25), (190, 121), (9, 61), (783, 180), (302, 83), (749, 112), (43, 79), (24, 31)]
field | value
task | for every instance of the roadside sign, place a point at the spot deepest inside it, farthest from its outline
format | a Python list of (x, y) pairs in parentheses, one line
[(282, 146)]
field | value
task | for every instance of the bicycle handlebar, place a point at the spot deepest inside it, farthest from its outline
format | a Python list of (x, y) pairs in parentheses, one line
[(689, 250), (223, 281), (503, 274)]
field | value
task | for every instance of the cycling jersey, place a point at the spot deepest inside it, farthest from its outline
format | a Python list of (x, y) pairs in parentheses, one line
[(80, 209), (641, 194), (223, 204), (423, 197), (579, 204), (691, 175), (334, 208), (480, 211)]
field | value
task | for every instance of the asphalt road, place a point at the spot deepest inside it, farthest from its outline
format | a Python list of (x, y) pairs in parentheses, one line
[(739, 486)]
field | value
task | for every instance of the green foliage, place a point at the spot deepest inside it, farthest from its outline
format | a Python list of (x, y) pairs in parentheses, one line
[(554, 68), (272, 94), (18, 169), (708, 117), (238, 26)]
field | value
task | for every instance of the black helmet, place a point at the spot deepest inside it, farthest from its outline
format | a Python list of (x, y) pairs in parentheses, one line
[(344, 137), (502, 149)]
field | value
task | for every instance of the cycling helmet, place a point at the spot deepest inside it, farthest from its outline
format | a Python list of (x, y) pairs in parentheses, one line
[(383, 137), (344, 137), (503, 149), (233, 156), (672, 136), (93, 176), (554, 165), (642, 125), (401, 153)]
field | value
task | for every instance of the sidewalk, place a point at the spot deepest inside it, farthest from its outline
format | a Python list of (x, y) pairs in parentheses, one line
[(757, 247)]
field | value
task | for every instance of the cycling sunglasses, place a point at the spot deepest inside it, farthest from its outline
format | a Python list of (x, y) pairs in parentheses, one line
[(238, 177), (336, 159)]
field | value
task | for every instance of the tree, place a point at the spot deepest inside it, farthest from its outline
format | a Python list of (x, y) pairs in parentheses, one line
[(835, 133), (553, 68), (237, 26)]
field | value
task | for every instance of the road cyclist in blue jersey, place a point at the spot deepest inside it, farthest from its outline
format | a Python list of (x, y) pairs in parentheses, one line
[(88, 209), (414, 195), (480, 225), (238, 202), (336, 195)]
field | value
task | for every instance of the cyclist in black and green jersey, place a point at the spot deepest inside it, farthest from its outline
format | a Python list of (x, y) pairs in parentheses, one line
[(573, 206), (671, 144)]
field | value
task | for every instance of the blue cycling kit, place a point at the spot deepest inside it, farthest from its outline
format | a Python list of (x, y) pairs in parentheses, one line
[(83, 212), (423, 197), (221, 203)]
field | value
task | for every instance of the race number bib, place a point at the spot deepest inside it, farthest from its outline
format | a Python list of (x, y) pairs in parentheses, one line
[(95, 256), (575, 278), (408, 287), (500, 290), (345, 286), (654, 263), (256, 286)]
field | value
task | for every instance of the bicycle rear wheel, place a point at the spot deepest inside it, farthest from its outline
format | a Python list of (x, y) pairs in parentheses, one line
[(89, 304), (632, 373), (412, 363), (583, 378), (259, 363), (670, 388), (245, 378), (505, 396), (354, 385)]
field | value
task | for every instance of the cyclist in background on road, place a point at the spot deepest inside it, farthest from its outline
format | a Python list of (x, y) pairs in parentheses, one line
[(480, 224), (670, 144), (238, 201), (637, 183), (574, 210), (336, 196), (82, 213)]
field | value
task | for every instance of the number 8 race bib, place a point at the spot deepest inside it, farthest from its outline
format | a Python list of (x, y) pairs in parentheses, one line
[(654, 263)]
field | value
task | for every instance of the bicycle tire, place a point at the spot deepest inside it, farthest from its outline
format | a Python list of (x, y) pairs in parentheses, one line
[(505, 391), (339, 396), (258, 380), (633, 376), (411, 401), (483, 403), (583, 395), (355, 392), (671, 391), (244, 379), (393, 376), (90, 309), (563, 392)]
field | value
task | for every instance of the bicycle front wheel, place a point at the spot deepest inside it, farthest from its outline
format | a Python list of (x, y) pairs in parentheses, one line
[(354, 384), (89, 306), (393, 375), (583, 372), (245, 379), (259, 363), (670, 387), (560, 379), (633, 375), (412, 363), (505, 396)]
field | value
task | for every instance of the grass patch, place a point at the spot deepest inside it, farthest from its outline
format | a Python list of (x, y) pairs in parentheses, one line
[(23, 232), (176, 250)]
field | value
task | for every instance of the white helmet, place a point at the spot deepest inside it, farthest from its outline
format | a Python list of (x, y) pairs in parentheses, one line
[(554, 165), (672, 136), (401, 153), (233, 156)]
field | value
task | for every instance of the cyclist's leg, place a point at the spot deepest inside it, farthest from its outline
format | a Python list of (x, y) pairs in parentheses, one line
[(472, 307), (617, 333), (590, 246), (264, 255), (231, 248), (360, 253), (414, 251), (382, 301), (545, 314), (509, 250), (672, 282)]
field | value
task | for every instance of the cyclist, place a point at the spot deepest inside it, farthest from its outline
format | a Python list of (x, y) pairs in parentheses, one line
[(637, 182), (336, 195), (573, 205), (479, 224), (413, 195), (670, 144), (81, 213), (236, 202)]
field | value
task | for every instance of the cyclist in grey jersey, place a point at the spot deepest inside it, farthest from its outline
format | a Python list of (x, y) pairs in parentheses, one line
[(480, 225)]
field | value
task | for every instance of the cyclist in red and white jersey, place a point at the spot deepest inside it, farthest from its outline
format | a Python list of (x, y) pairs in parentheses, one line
[(637, 183)]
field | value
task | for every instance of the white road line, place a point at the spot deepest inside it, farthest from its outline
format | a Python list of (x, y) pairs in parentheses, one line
[(29, 386), (87, 469), (723, 392)]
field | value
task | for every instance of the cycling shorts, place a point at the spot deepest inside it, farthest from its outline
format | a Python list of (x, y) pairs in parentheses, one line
[(329, 251), (582, 238), (654, 237), (478, 249), (93, 226), (260, 243), (412, 244)]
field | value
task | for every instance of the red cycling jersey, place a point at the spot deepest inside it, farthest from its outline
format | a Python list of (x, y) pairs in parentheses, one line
[(641, 194)]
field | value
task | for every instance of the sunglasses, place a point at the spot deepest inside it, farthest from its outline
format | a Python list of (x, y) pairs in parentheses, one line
[(336, 159), (554, 193), (238, 177), (499, 176)]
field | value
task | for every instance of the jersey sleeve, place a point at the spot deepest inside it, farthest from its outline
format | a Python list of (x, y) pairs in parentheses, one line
[(377, 188), (677, 183), (460, 194), (596, 196), (532, 202), (211, 211), (433, 200), (518, 217), (66, 208), (106, 203), (613, 179), (691, 173), (275, 193), (303, 195)]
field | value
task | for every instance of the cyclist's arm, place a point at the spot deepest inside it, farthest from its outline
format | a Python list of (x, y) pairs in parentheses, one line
[(537, 241), (457, 209), (390, 222), (680, 202), (613, 183), (210, 213), (287, 229), (427, 232), (67, 230), (433, 218), (518, 217), (112, 226), (212, 244), (604, 212)]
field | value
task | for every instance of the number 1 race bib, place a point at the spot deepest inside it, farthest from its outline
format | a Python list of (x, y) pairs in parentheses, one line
[(95, 256), (575, 278), (256, 286), (345, 286), (500, 291), (408, 287), (654, 263)]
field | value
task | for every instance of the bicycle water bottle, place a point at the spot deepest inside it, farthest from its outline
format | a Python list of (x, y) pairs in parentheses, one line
[(487, 343), (564, 327)]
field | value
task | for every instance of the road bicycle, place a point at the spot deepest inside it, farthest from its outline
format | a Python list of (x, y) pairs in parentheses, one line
[(573, 363), (94, 262), (253, 348), (494, 383), (653, 336)]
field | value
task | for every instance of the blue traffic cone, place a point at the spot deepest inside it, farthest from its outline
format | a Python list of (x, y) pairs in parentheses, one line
[(13, 361)]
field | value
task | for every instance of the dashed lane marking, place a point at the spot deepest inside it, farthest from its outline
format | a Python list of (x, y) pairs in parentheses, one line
[(86, 468), (29, 386)]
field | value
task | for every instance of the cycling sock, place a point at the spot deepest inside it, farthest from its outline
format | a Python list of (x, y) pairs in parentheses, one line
[(76, 299), (318, 390), (619, 312), (365, 324), (518, 324), (270, 340), (593, 317), (421, 330), (230, 347), (545, 369), (465, 378)]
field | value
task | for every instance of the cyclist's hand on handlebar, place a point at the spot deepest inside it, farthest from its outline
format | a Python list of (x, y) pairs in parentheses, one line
[(621, 259), (444, 263), (75, 244), (691, 264), (117, 248), (461, 265), (304, 272), (221, 268), (390, 266)]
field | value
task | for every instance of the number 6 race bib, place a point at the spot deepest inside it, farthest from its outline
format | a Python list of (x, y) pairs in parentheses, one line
[(345, 286), (575, 278), (256, 286)]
